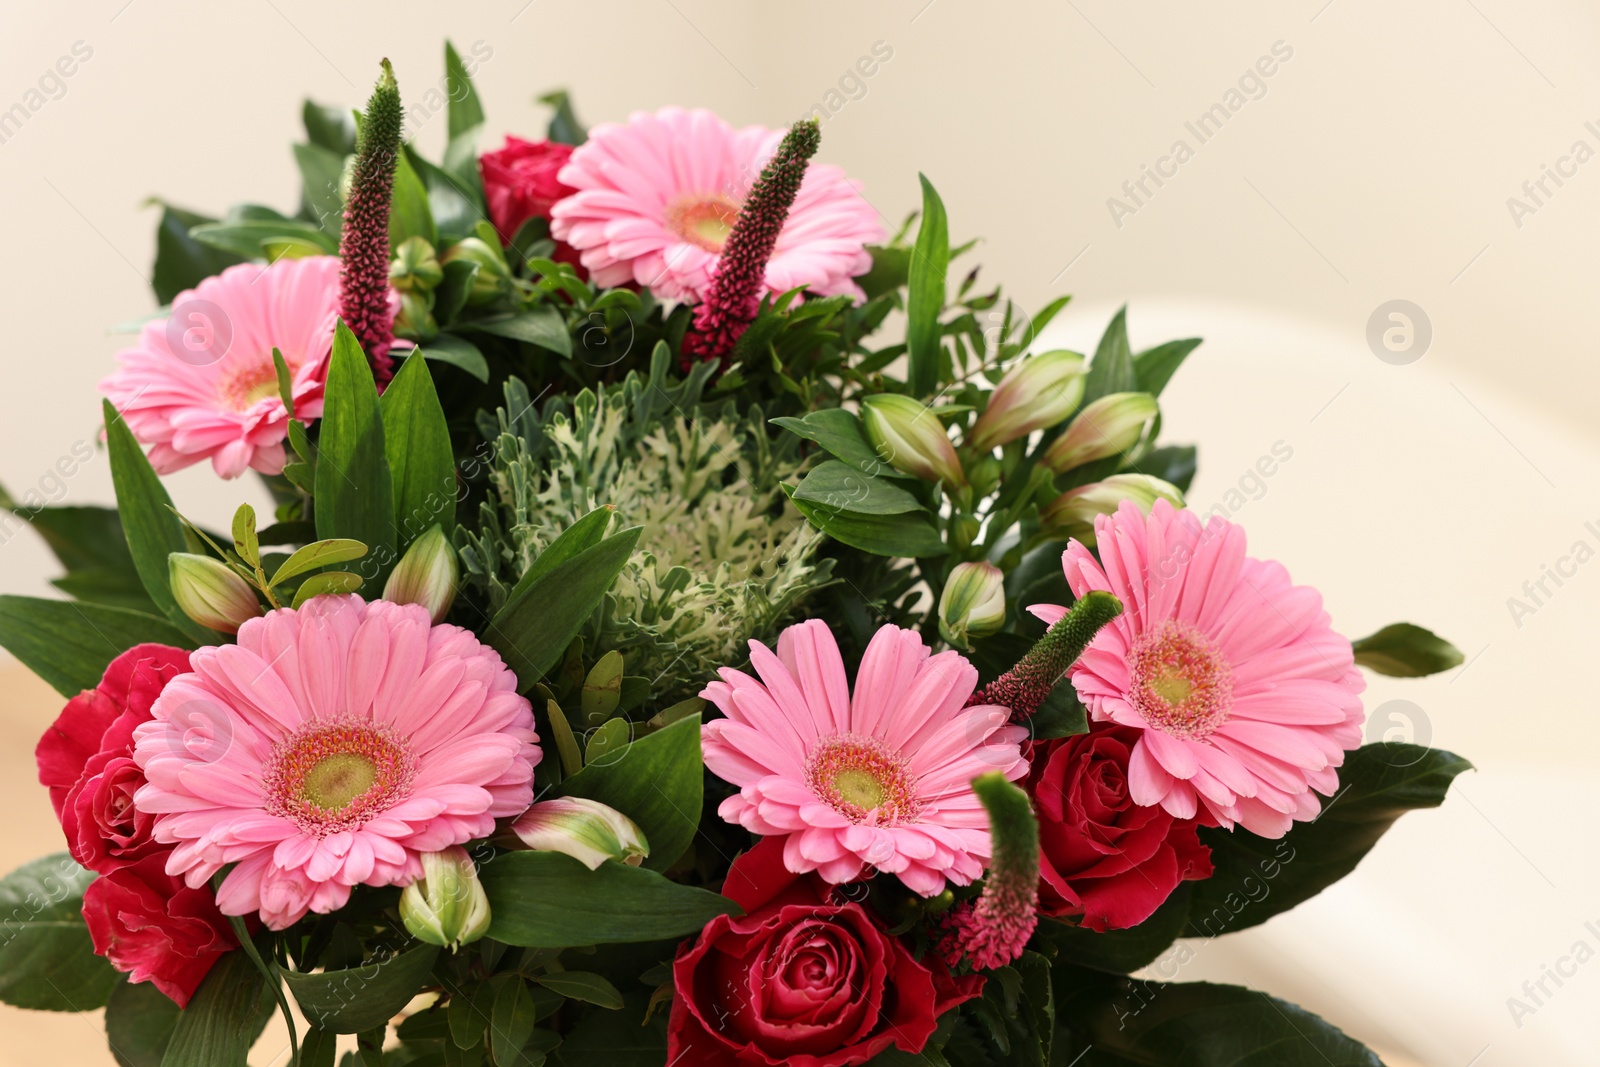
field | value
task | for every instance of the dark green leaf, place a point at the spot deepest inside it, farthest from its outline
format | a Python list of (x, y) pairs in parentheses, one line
[(1061, 715), (318, 1048), (1121, 951), (910, 535), (656, 781), (577, 538), (564, 125), (513, 1020), (465, 112), (47, 961), (249, 239), (1403, 650), (222, 1020), (329, 126), (139, 1023), (1126, 1021), (550, 900), (1154, 367), (542, 326), (534, 628), (1172, 463), (69, 644), (417, 441), (151, 526), (839, 431), (181, 261), (584, 986), (320, 174), (836, 486), (90, 544), (930, 260), (1257, 878), (602, 1038), (355, 497), (458, 352), (410, 215), (360, 998), (1111, 370)]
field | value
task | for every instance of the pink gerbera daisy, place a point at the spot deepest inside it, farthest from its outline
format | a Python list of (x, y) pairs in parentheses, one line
[(1246, 697), (329, 748), (879, 779), (200, 384), (657, 198)]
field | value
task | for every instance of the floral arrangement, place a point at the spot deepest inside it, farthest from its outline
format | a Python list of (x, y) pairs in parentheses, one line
[(696, 626)]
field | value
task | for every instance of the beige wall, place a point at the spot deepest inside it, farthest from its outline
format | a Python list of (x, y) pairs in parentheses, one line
[(1374, 163)]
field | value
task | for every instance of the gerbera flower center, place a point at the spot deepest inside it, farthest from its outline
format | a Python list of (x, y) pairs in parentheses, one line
[(705, 220), (1181, 683), (335, 776), (863, 780), (250, 383)]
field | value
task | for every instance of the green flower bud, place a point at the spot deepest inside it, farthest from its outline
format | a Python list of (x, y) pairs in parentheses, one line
[(1074, 511), (415, 268), (427, 574), (493, 279), (1108, 427), (210, 593), (973, 603), (1038, 392), (910, 438), (587, 830), (447, 905), (415, 320)]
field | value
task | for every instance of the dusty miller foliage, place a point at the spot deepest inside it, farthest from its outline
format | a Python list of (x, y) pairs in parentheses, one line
[(723, 557)]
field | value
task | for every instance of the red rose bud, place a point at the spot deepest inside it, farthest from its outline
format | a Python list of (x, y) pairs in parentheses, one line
[(994, 931), (522, 181), (209, 592), (973, 603), (1105, 860), (1073, 512), (1108, 427), (1036, 393), (911, 439)]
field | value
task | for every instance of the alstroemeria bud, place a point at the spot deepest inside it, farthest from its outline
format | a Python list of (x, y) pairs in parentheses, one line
[(973, 603), (447, 905), (1038, 392), (493, 278), (1108, 427), (426, 575), (587, 830), (1074, 511), (209, 592), (415, 321), (415, 267), (910, 438)]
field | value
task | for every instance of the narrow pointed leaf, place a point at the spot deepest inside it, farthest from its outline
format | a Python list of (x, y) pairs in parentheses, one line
[(416, 441), (355, 496)]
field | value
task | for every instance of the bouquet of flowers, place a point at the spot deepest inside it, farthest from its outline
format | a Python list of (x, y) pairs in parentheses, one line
[(696, 626)]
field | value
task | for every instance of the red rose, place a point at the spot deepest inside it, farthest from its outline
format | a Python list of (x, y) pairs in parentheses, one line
[(1102, 856), (520, 182), (156, 929), (85, 759), (800, 980)]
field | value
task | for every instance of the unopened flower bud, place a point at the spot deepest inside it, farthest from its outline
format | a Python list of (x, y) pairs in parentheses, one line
[(1108, 427), (209, 592), (426, 575), (1038, 392), (587, 830), (415, 267), (973, 603), (447, 905), (493, 279), (1074, 511), (910, 438), (415, 321)]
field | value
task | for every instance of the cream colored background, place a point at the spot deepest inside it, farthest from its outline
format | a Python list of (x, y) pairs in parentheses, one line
[(1376, 166)]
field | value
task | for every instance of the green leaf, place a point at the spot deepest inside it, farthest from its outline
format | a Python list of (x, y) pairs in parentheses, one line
[(69, 644), (152, 528), (249, 239), (181, 261), (458, 352), (139, 1023), (909, 535), (47, 961), (355, 999), (1111, 370), (837, 486), (1154, 367), (89, 543), (1403, 650), (465, 112), (839, 431), (602, 689), (550, 900), (564, 125), (609, 737), (409, 214), (329, 126), (355, 497), (566, 743), (416, 439), (513, 1020), (606, 1039), (455, 201), (318, 1048), (1257, 878), (543, 326), (329, 582), (221, 1022), (1121, 951), (1171, 463), (657, 782), (535, 627), (317, 554), (321, 171), (1061, 715), (1126, 1021), (930, 261), (577, 538), (584, 986)]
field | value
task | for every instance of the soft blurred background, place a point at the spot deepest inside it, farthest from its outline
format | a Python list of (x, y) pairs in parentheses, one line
[(1376, 163)]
